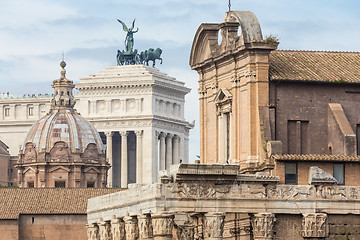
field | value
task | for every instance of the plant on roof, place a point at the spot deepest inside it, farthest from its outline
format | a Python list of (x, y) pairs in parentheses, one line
[(272, 39)]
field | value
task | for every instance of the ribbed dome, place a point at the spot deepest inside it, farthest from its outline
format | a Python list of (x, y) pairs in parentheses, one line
[(63, 126), (62, 149)]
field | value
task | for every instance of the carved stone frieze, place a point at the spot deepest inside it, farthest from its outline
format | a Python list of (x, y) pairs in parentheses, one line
[(214, 225), (92, 231), (315, 225), (262, 225), (145, 227), (131, 228), (163, 224), (104, 231)]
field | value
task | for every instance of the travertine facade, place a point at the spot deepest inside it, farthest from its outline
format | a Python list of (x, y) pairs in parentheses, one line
[(135, 108)]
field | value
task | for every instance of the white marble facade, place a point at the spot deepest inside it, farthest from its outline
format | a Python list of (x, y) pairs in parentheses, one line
[(138, 110)]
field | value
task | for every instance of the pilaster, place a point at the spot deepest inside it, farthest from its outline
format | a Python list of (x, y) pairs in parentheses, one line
[(131, 228), (139, 159), (124, 159), (104, 231), (145, 227), (109, 158), (169, 160)]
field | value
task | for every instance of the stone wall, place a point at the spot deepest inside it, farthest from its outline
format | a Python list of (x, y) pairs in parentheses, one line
[(54, 227), (9, 229)]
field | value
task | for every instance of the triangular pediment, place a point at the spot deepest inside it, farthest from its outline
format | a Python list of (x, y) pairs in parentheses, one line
[(59, 168), (91, 170), (30, 169), (222, 95)]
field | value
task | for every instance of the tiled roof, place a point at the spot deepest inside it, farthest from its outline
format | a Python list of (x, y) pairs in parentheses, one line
[(315, 66), (15, 201), (314, 157)]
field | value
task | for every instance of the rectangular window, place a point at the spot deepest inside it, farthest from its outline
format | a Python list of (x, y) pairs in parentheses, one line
[(31, 111), (90, 184), (290, 173), (7, 112), (339, 173), (60, 184), (30, 184)]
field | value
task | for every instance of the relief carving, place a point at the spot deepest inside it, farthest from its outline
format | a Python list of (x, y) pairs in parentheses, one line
[(162, 224), (92, 231), (60, 152), (145, 227), (185, 232), (262, 225), (214, 225), (195, 190), (30, 154), (91, 152), (315, 225)]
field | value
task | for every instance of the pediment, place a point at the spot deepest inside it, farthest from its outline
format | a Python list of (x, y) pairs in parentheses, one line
[(222, 95), (91, 170), (59, 169), (30, 169)]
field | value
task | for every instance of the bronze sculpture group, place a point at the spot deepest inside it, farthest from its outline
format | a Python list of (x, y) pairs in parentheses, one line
[(131, 56)]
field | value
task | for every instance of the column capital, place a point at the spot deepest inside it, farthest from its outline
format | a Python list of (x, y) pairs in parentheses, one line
[(131, 228), (138, 133), (92, 230), (169, 136), (214, 225), (315, 225), (163, 224), (145, 226), (104, 230), (162, 135), (109, 134), (262, 225), (117, 228), (124, 133)]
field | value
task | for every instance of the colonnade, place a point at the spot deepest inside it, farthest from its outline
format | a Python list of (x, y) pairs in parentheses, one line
[(125, 159), (207, 226), (167, 149)]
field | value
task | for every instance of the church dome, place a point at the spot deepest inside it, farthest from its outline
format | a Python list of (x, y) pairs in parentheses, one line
[(63, 145)]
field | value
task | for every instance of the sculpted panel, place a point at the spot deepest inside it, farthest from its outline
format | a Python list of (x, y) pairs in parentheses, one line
[(60, 152), (30, 154)]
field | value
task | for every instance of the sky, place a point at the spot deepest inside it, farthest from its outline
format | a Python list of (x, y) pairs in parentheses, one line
[(33, 35)]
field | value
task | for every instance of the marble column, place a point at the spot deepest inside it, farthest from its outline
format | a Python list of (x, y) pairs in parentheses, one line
[(145, 227), (92, 231), (162, 151), (262, 225), (139, 160), (176, 148), (315, 225), (104, 231), (168, 161), (214, 225), (109, 158), (117, 228), (131, 228), (163, 224), (124, 158), (155, 168)]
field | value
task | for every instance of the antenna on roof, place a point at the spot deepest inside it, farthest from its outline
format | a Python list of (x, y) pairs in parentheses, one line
[(62, 55), (229, 5)]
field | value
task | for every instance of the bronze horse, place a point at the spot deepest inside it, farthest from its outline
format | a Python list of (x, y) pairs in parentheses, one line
[(151, 55)]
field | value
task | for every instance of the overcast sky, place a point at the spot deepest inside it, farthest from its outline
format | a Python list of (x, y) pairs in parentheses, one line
[(33, 35)]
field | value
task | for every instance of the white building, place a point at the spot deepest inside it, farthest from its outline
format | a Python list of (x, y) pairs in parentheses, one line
[(138, 111)]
